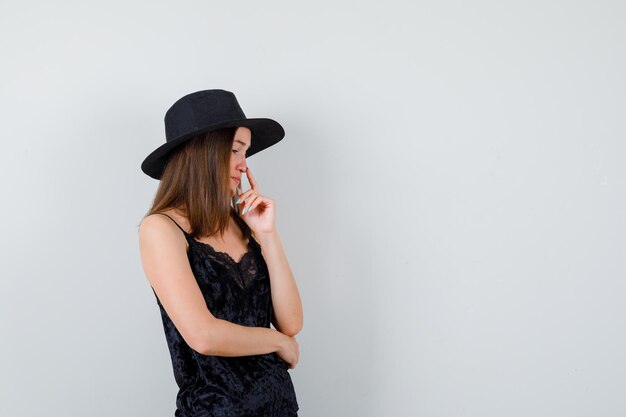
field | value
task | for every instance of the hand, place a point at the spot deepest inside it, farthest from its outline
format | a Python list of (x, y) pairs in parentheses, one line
[(290, 351), (259, 210)]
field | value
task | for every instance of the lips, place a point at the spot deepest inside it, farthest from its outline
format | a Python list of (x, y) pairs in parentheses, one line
[(236, 179)]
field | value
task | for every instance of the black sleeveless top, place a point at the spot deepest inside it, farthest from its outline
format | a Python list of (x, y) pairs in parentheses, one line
[(229, 386)]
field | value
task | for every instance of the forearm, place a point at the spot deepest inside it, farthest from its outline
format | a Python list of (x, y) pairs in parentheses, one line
[(286, 301), (230, 339)]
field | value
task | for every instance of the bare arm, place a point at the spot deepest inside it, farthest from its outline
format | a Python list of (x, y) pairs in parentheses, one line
[(286, 301), (232, 339), (165, 263)]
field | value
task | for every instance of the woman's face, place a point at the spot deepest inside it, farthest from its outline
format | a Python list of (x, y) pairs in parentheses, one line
[(243, 137)]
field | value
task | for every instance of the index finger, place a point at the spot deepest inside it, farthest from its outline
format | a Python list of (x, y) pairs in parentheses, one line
[(251, 180)]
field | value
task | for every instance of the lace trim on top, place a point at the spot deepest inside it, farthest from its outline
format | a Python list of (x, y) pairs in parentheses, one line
[(244, 272)]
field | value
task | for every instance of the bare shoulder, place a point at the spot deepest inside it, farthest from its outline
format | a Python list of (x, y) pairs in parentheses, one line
[(161, 242), (166, 265), (157, 229)]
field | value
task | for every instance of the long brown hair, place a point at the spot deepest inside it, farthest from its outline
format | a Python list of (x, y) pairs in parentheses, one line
[(196, 182)]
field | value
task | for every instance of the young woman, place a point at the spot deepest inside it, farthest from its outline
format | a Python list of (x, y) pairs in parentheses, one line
[(216, 265)]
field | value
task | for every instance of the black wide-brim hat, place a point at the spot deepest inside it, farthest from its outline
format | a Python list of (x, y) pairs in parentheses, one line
[(201, 112)]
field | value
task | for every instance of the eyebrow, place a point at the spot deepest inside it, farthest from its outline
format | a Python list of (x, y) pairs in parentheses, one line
[(237, 140)]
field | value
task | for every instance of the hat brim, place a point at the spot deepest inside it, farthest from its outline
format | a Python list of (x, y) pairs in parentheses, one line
[(265, 133)]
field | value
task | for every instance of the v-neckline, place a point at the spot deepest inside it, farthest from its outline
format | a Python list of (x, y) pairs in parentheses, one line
[(226, 254), (249, 245)]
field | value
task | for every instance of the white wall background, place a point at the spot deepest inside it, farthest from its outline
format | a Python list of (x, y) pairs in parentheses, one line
[(450, 190)]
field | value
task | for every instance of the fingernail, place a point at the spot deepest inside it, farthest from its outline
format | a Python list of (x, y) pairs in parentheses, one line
[(244, 211), (238, 200)]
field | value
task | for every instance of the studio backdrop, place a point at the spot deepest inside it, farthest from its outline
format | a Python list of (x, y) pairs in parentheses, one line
[(450, 193)]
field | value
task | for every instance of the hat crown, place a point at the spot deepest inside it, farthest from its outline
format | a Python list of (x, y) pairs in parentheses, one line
[(204, 111), (198, 110)]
